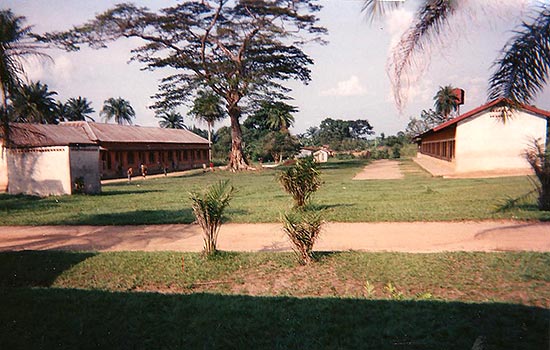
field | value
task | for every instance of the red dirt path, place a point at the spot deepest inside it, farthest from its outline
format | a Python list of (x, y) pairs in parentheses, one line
[(391, 236)]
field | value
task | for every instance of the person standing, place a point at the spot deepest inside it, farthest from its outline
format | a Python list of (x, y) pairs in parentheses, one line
[(130, 172)]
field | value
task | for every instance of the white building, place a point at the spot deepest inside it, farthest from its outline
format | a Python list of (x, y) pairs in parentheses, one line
[(59, 159), (481, 142), (49, 160)]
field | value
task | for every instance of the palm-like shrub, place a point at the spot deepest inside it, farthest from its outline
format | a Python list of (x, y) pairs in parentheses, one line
[(301, 181), (208, 208), (539, 158), (302, 228)]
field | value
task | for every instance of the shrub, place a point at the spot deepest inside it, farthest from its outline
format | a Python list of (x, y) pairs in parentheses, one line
[(302, 228), (208, 209), (79, 185), (396, 151), (539, 158), (344, 156), (301, 180)]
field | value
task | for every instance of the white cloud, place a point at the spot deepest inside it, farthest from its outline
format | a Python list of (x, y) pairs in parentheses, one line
[(397, 22), (57, 71), (350, 87)]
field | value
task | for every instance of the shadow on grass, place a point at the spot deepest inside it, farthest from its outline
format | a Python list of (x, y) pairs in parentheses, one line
[(343, 164), (121, 192), (36, 269), (23, 202), (317, 206), (77, 319), (137, 217)]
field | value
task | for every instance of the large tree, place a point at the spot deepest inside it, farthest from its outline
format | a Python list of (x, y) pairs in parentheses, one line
[(241, 50), (520, 73), (33, 103), (118, 109), (16, 44)]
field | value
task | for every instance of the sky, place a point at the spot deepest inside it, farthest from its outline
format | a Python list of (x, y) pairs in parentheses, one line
[(349, 79)]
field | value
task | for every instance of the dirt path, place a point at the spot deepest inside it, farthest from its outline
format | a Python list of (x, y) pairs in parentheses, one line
[(400, 237), (383, 169)]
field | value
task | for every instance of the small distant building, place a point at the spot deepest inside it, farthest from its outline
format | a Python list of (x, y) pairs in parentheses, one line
[(59, 159), (306, 152), (480, 142), (49, 160), (321, 156)]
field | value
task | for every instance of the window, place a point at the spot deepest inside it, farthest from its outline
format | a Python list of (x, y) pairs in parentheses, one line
[(151, 157)]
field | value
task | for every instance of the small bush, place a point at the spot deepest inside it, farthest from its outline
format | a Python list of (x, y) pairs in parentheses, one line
[(301, 181), (539, 158), (79, 185), (396, 151), (208, 209), (344, 156), (302, 228)]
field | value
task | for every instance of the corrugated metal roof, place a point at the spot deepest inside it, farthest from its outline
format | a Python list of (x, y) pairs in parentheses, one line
[(137, 134), (39, 135)]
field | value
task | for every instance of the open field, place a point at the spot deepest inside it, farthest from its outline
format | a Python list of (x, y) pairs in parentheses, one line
[(241, 300), (259, 198)]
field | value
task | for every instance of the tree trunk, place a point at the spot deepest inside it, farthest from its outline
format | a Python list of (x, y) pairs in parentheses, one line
[(209, 142), (5, 120), (237, 160)]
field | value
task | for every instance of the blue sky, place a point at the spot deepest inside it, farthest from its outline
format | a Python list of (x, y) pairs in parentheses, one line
[(349, 79)]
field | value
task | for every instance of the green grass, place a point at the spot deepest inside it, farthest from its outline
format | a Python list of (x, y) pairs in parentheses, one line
[(259, 198), (136, 300)]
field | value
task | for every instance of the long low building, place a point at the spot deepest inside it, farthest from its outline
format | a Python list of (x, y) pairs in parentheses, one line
[(481, 142), (75, 156)]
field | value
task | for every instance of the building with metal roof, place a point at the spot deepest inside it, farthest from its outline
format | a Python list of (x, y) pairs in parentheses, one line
[(490, 140), (75, 156)]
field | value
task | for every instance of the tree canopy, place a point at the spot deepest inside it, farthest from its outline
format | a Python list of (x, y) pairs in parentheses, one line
[(241, 50), (339, 134), (16, 45), (171, 120), (33, 103), (76, 109), (118, 109)]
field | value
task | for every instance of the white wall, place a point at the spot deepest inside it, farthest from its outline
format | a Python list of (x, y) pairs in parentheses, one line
[(3, 169), (85, 163), (39, 171), (485, 143)]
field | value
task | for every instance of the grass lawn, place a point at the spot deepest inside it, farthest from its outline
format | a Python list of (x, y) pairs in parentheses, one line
[(259, 198), (165, 300)]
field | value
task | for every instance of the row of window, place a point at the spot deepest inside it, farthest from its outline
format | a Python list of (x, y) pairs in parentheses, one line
[(439, 149), (114, 159)]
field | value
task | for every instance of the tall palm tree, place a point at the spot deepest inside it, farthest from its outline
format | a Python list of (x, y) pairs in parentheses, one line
[(520, 73), (208, 108), (34, 103), (171, 120), (446, 101), (78, 108), (118, 109), (16, 44)]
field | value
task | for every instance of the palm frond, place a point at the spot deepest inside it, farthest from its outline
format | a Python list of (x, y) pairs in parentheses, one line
[(522, 70), (209, 208), (375, 9), (431, 18)]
